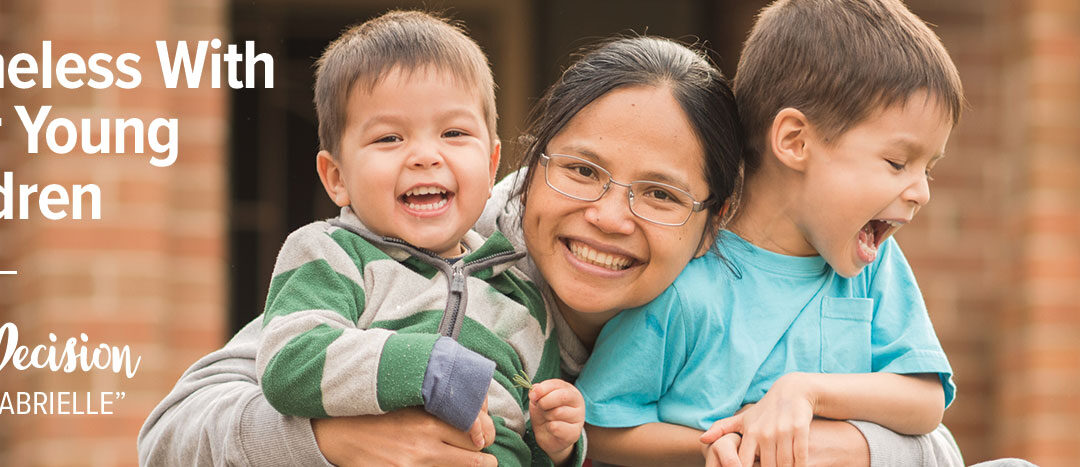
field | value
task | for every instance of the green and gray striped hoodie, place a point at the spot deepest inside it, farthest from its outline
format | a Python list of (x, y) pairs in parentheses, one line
[(359, 324)]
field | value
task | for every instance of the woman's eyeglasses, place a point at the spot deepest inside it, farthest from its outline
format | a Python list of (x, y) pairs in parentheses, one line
[(655, 202)]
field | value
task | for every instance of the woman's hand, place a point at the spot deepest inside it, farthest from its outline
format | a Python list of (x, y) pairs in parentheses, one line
[(482, 431), (724, 452), (776, 429), (402, 437)]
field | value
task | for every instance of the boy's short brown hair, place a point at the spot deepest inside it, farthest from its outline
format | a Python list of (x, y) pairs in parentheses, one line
[(408, 39), (837, 61)]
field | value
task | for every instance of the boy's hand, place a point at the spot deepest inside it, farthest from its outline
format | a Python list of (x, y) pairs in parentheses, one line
[(482, 431), (724, 452), (776, 429), (557, 411)]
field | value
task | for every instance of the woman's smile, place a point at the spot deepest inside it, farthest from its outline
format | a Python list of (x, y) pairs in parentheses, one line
[(599, 256)]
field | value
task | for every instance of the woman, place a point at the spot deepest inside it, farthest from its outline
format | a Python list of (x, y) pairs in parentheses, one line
[(633, 151)]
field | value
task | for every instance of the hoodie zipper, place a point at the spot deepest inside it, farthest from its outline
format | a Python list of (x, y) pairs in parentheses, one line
[(456, 300)]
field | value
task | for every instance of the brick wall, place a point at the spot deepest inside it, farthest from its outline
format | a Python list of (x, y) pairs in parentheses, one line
[(149, 274)]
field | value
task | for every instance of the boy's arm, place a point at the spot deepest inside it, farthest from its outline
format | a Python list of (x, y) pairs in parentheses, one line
[(906, 404), (314, 362)]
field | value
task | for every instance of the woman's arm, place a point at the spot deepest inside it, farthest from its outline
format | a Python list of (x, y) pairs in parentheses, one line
[(216, 415), (832, 443), (648, 444)]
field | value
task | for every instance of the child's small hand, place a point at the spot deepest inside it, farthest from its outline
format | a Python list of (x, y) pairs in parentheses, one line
[(776, 429), (724, 452), (482, 430), (558, 416)]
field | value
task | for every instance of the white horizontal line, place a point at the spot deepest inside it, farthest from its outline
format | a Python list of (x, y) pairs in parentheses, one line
[(10, 273)]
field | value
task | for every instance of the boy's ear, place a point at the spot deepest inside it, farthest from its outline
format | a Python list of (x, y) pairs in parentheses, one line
[(332, 179), (493, 169), (788, 137)]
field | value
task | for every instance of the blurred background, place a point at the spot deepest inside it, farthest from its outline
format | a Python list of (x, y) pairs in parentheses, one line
[(182, 255)]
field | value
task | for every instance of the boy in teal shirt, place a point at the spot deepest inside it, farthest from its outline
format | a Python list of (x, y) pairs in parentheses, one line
[(813, 311)]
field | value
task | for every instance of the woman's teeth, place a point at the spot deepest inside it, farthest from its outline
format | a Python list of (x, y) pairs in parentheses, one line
[(605, 260)]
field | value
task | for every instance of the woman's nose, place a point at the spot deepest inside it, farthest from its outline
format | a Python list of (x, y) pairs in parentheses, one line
[(611, 213)]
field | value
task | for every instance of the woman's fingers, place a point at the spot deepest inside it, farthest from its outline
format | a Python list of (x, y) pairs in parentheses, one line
[(748, 451), (802, 446), (401, 437), (482, 431), (457, 457), (724, 452), (488, 425), (733, 424)]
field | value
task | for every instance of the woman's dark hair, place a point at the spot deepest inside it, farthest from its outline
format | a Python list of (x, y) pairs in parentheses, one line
[(700, 89)]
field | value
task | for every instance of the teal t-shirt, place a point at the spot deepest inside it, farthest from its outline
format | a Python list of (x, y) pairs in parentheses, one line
[(726, 330)]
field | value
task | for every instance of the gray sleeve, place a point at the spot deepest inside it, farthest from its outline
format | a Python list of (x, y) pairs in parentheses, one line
[(888, 448), (217, 415), (502, 210), (456, 383)]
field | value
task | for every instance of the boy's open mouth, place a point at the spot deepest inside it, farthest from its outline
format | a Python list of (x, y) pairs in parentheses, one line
[(425, 198), (589, 255), (872, 235)]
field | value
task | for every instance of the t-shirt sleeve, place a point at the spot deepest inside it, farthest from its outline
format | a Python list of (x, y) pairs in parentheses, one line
[(632, 364), (902, 338)]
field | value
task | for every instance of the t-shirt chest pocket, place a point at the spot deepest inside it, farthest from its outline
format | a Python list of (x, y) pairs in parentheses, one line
[(845, 334)]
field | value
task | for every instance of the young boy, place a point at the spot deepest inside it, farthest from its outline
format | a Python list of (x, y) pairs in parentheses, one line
[(395, 302), (814, 311)]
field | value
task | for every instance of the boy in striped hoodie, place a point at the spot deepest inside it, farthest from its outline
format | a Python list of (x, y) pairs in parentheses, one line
[(367, 311)]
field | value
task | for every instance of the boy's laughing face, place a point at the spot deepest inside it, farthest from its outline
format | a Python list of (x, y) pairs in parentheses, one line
[(417, 160), (871, 180)]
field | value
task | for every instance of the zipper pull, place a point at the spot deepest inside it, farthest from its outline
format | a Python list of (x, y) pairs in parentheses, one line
[(457, 281)]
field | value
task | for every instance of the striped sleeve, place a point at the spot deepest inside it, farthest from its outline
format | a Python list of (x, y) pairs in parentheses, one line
[(312, 360)]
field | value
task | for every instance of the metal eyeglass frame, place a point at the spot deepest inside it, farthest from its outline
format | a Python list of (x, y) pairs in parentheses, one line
[(696, 207)]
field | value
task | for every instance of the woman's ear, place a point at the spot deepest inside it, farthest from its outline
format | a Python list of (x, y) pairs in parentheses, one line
[(788, 137), (332, 179), (712, 229)]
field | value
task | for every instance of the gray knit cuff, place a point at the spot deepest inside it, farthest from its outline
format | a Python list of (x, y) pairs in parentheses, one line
[(456, 383), (270, 438), (888, 448)]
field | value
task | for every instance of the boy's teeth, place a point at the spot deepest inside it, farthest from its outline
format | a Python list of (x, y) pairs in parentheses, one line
[(424, 190), (591, 256), (427, 207)]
